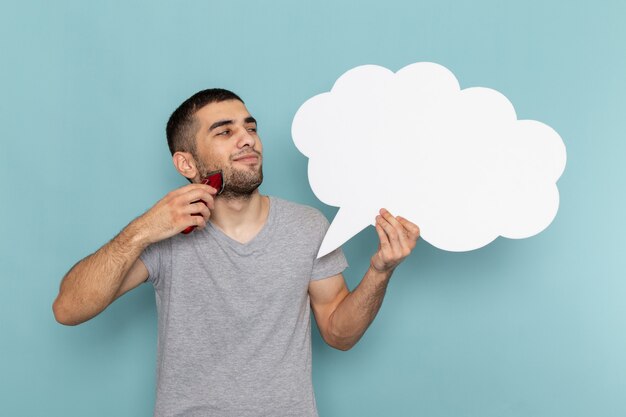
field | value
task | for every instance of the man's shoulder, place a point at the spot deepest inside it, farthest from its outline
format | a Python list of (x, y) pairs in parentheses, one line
[(297, 211)]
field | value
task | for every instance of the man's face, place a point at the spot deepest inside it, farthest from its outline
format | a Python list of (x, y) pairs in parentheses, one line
[(227, 139)]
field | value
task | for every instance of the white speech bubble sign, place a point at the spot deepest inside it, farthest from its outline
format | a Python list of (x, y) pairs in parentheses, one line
[(457, 162)]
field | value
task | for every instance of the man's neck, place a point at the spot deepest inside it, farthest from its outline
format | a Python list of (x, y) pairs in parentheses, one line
[(241, 219)]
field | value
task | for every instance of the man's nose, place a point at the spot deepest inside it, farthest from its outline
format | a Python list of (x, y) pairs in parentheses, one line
[(245, 138)]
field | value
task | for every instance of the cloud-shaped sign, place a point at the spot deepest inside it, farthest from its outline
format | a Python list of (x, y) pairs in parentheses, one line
[(457, 162)]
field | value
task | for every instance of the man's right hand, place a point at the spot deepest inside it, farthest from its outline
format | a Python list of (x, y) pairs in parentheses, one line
[(176, 211)]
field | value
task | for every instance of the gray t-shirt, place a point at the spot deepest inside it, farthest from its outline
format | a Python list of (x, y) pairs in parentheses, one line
[(234, 319)]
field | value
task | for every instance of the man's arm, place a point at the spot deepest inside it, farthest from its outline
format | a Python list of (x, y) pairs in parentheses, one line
[(96, 281), (343, 316)]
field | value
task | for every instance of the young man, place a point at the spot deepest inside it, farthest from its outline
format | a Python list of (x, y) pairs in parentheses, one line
[(234, 296)]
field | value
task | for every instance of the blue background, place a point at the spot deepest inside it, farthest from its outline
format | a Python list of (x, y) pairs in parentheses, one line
[(533, 327)]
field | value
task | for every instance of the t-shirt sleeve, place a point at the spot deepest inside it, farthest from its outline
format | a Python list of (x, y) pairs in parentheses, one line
[(152, 257), (331, 264)]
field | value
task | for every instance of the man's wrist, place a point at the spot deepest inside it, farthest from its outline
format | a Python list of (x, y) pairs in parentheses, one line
[(135, 234), (382, 274)]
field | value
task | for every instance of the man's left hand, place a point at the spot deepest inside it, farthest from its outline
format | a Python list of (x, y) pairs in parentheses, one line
[(398, 237)]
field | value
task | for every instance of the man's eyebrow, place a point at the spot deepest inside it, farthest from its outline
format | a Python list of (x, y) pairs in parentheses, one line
[(220, 123)]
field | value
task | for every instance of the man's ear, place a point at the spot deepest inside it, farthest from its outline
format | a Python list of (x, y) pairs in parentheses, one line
[(185, 164)]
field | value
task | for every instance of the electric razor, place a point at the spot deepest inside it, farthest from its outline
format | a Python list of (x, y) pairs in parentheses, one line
[(215, 180)]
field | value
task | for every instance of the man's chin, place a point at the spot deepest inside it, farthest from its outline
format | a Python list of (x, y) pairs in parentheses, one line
[(239, 183), (236, 193)]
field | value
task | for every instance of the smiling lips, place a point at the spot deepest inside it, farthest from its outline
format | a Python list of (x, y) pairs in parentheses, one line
[(247, 158)]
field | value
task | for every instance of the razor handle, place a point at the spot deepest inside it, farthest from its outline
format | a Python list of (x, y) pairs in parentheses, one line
[(215, 180)]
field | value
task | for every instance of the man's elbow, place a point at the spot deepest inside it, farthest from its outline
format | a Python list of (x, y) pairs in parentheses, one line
[(336, 338), (62, 314), (342, 347), (340, 343)]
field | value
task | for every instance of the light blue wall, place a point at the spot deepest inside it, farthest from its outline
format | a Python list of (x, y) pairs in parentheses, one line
[(535, 327)]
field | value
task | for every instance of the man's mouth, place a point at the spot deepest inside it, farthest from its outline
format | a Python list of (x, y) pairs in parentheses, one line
[(247, 158)]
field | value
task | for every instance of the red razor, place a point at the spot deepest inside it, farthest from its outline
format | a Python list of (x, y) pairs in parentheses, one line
[(215, 180)]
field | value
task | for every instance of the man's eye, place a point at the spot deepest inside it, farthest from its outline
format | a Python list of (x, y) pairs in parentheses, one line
[(224, 133), (252, 129)]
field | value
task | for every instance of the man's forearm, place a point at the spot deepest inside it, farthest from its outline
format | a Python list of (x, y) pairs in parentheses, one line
[(356, 312), (92, 284)]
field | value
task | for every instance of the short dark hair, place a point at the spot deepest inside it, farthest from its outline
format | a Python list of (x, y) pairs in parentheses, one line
[(181, 127)]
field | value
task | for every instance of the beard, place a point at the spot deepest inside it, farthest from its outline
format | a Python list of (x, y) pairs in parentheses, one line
[(238, 183), (241, 183)]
